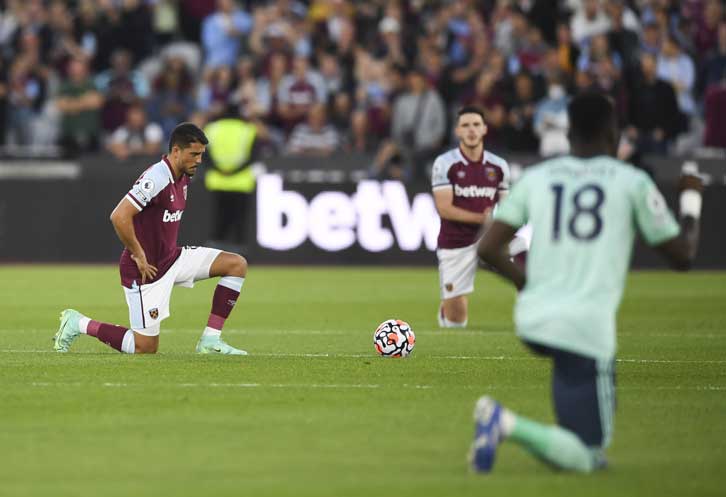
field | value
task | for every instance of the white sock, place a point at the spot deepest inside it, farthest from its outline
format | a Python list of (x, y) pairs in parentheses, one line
[(453, 324), (507, 419), (128, 345), (211, 332), (83, 324), (232, 282)]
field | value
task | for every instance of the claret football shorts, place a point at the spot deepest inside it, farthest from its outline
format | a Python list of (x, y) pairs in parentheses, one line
[(149, 304)]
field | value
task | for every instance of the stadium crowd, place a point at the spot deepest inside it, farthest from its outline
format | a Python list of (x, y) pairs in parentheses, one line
[(374, 76)]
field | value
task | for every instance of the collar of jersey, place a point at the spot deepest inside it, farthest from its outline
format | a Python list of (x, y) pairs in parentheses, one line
[(165, 159)]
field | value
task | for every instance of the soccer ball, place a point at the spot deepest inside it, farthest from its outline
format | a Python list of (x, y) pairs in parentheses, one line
[(394, 338)]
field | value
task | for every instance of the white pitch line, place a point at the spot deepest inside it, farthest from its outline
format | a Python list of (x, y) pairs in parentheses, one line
[(372, 355), (355, 386), (238, 385)]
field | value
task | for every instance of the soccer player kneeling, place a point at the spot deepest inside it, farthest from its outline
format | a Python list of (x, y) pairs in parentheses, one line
[(147, 222), (584, 210)]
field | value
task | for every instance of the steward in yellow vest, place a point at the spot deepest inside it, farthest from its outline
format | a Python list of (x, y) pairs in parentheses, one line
[(230, 179)]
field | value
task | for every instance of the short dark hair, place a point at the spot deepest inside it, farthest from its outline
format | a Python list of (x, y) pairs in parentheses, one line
[(469, 109), (592, 116), (185, 134)]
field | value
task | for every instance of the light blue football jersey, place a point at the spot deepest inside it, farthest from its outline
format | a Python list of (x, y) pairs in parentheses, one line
[(584, 214)]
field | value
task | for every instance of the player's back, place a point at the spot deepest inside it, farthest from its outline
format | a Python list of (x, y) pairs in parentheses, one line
[(584, 214)]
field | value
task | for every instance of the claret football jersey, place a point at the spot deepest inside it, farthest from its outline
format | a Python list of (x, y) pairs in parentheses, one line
[(160, 199), (476, 186)]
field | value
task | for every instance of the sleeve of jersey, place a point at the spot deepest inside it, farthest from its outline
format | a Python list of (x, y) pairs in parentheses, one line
[(513, 209), (440, 174), (654, 219), (146, 188), (506, 178)]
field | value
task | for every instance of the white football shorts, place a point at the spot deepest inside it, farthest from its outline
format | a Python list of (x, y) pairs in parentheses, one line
[(149, 304), (457, 267)]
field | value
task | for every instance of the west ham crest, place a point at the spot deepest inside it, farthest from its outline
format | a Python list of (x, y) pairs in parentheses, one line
[(491, 173), (154, 313)]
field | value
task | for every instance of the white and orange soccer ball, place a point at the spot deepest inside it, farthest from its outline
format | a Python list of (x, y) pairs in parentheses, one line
[(394, 338)]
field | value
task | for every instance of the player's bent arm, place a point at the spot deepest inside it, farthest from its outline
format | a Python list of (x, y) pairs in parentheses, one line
[(122, 219), (681, 250), (444, 200), (494, 250)]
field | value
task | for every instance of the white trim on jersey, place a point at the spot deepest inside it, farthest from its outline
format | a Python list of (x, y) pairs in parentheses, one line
[(134, 202), (150, 184)]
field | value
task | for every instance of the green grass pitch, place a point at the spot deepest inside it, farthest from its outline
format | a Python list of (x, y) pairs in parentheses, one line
[(314, 412)]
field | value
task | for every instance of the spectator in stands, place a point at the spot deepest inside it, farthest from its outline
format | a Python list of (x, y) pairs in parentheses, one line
[(622, 40), (222, 32), (491, 101), (244, 94), (137, 136), (171, 101), (589, 20), (3, 99), (551, 123), (79, 103), (371, 117), (26, 96), (715, 63), (654, 115), (707, 26), (677, 68), (391, 46), (215, 92), (298, 92), (715, 114), (519, 132), (418, 128), (651, 42), (268, 89), (315, 137), (121, 86), (567, 52)]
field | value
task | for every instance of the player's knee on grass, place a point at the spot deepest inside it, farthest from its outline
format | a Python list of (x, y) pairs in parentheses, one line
[(146, 344), (584, 395)]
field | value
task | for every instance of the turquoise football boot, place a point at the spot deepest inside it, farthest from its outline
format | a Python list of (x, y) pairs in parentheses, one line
[(215, 345), (68, 330)]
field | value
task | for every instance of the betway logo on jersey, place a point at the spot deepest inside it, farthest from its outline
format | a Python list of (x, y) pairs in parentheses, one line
[(334, 220), (475, 191), (172, 217)]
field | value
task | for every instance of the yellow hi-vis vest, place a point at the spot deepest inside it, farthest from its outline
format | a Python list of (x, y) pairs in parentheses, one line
[(230, 146)]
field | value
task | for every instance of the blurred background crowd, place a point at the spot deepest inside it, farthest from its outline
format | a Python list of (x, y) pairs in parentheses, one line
[(378, 77)]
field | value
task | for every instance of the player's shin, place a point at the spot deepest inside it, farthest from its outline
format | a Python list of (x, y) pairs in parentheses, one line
[(225, 297), (116, 337), (553, 444)]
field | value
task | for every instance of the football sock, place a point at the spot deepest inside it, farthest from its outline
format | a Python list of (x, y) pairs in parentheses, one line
[(551, 443), (453, 324), (83, 324), (117, 337), (225, 297)]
